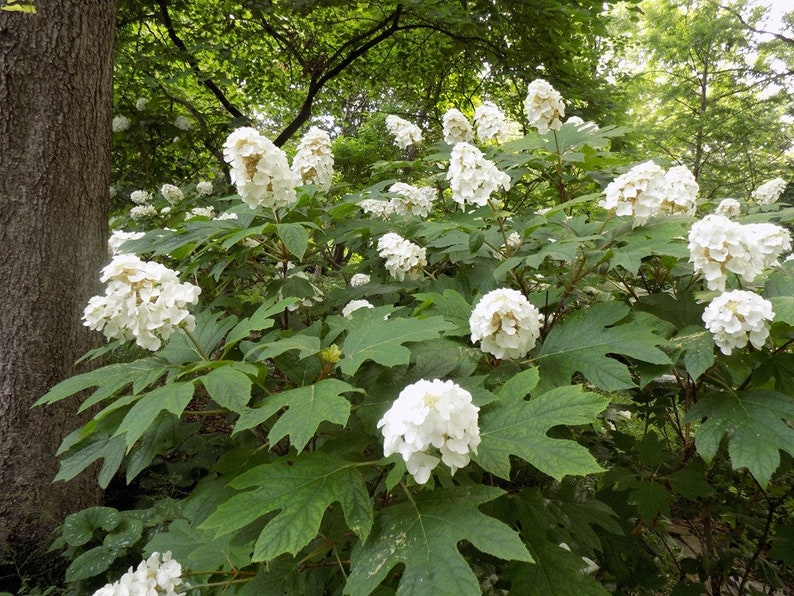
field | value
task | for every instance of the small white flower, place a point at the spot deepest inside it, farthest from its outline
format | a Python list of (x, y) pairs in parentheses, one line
[(140, 105), (172, 194), (506, 324), (472, 178), (457, 128), (119, 237), (204, 188), (140, 197), (120, 123), (405, 133), (207, 212), (314, 162), (491, 123), (514, 240), (260, 170), (729, 208), (353, 306), (151, 578), (359, 279), (736, 317), (431, 417), (182, 123), (376, 208), (581, 124), (403, 258), (544, 106), (412, 201), (141, 211), (166, 210), (769, 192)]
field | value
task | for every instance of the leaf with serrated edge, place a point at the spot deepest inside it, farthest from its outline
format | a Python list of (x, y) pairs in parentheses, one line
[(172, 398), (520, 427), (300, 490), (756, 419), (382, 341), (423, 534), (583, 341), (228, 387)]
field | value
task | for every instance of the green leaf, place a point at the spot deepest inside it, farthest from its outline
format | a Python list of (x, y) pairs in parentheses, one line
[(307, 408), (698, 345), (295, 238), (755, 422), (651, 499), (106, 375), (229, 387), (783, 545), (583, 342), (211, 327), (520, 385), (783, 307), (261, 319), (79, 528), (555, 571), (173, 398), (519, 428), (77, 459), (300, 490), (382, 341), (127, 533), (158, 439), (91, 563), (423, 534), (453, 306)]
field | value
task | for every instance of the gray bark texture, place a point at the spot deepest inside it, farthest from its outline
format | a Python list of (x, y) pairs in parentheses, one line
[(55, 112)]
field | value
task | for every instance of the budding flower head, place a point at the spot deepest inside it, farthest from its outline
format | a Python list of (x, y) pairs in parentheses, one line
[(544, 106)]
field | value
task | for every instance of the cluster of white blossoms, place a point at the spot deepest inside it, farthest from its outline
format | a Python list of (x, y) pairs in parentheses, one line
[(431, 414), (403, 258), (353, 306), (119, 237), (143, 300), (491, 123), (457, 128), (544, 106), (506, 324), (314, 162), (260, 170), (208, 212), (141, 104), (581, 124), (377, 208), (204, 188), (182, 123), (405, 133), (412, 200), (472, 178), (647, 190), (120, 123), (736, 317), (140, 197), (173, 194), (514, 240), (359, 279), (729, 208), (719, 246), (152, 577), (141, 211), (769, 192)]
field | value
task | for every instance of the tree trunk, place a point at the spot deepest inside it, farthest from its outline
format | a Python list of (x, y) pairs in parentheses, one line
[(55, 123)]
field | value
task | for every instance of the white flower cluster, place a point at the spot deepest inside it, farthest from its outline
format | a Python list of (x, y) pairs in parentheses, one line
[(514, 240), (208, 212), (376, 208), (141, 104), (152, 577), (141, 211), (472, 178), (736, 317), (581, 124), (729, 208), (119, 237), (405, 133), (182, 123), (359, 279), (143, 301), (260, 170), (544, 106), (427, 414), (769, 192), (204, 188), (457, 128), (491, 123), (226, 216), (120, 123), (140, 197), (314, 162), (353, 306), (718, 246), (647, 190), (403, 258), (506, 324), (173, 194), (411, 200)]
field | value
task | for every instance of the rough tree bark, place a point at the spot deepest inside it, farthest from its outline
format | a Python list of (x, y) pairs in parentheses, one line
[(55, 124)]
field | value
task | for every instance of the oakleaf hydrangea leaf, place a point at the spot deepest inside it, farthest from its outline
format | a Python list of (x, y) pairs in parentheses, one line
[(307, 408), (423, 534), (518, 427), (583, 341), (382, 341), (755, 424), (300, 490)]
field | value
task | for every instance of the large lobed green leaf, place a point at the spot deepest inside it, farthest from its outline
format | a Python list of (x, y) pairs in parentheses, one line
[(584, 341), (423, 534), (517, 427), (300, 490), (755, 423)]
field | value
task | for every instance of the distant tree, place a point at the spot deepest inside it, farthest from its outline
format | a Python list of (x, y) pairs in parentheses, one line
[(55, 115)]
